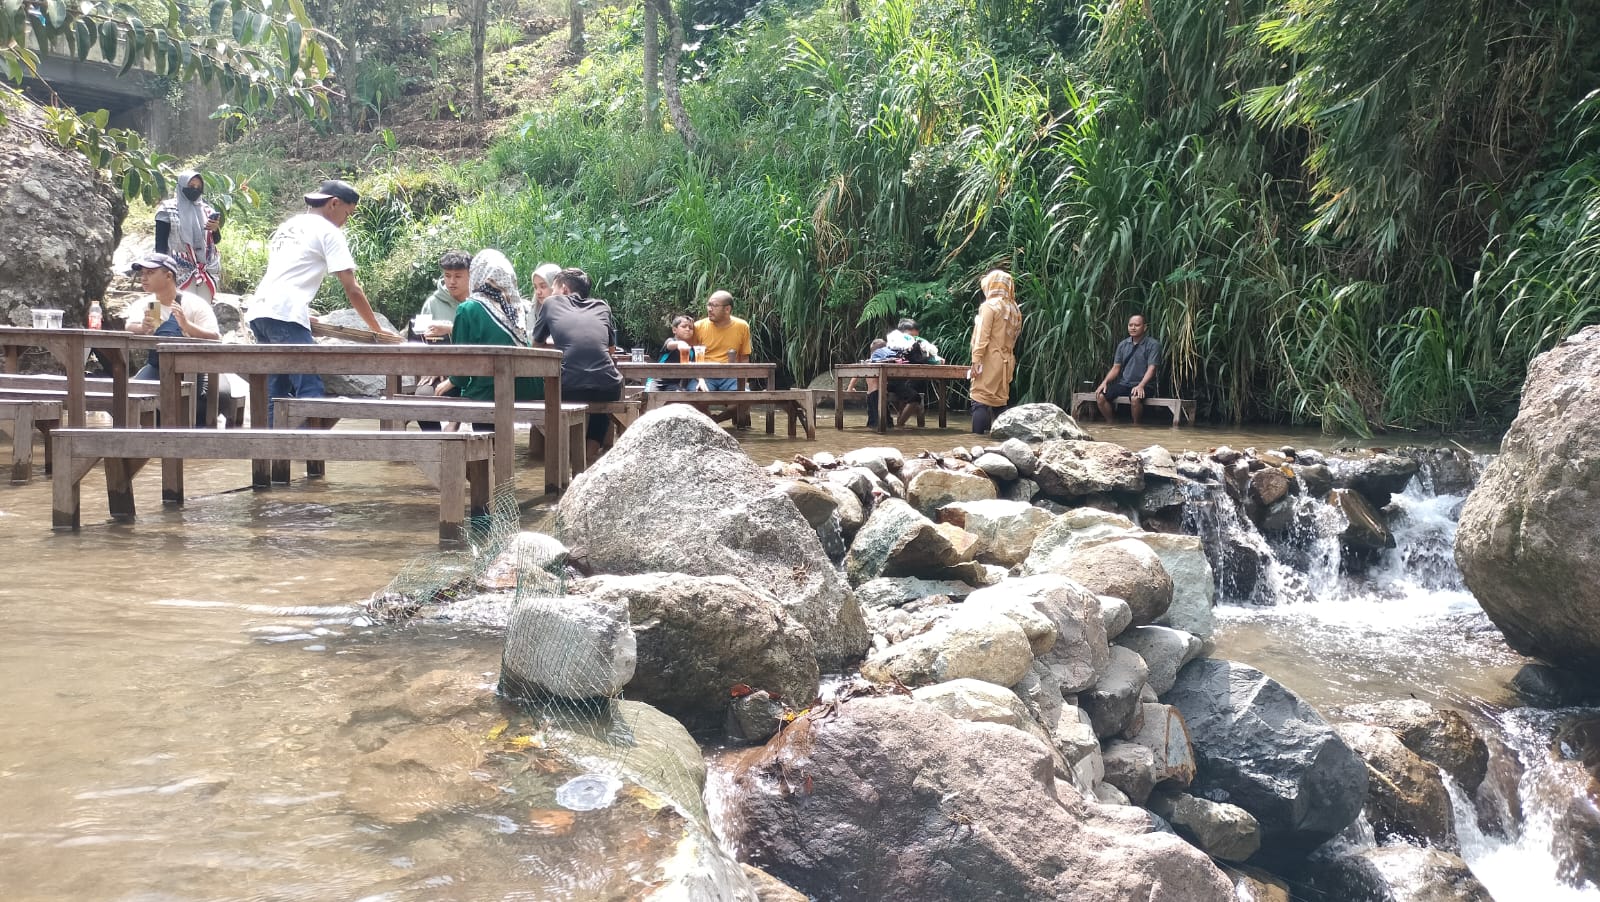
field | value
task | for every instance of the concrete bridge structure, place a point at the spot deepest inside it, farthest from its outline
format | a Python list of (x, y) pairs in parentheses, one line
[(174, 119)]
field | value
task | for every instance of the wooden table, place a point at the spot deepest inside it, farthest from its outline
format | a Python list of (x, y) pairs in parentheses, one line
[(256, 362), (638, 372), (71, 347), (938, 374)]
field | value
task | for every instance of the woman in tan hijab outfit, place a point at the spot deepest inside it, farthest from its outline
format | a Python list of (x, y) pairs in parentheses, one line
[(994, 334)]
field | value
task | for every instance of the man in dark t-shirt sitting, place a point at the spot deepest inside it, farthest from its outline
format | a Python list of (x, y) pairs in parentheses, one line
[(1133, 370)]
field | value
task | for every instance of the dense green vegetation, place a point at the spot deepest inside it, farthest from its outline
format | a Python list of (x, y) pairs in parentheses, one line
[(1365, 214)]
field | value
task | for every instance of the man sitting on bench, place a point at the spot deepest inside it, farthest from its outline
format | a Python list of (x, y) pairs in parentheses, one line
[(1133, 370)]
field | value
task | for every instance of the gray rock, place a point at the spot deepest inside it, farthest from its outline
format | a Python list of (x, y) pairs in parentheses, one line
[(898, 541), (1124, 568), (1021, 455), (571, 648), (866, 803), (1260, 747), (996, 466), (1164, 649), (1316, 480), (1164, 733), (677, 494), (1073, 469), (1035, 423), (531, 564), (1194, 585), (1408, 800), (1005, 530), (1392, 874), (755, 717), (700, 636), (1376, 475), (1071, 530), (1130, 769), (880, 460), (1440, 736), (932, 489), (1526, 543), (977, 701), (815, 504), (1157, 461), (1116, 614), (975, 643), (1024, 490), (847, 507), (1366, 530), (892, 591), (1113, 702), (1217, 828), (1079, 654), (859, 480)]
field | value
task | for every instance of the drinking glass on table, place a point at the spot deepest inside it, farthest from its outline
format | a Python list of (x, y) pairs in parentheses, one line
[(700, 353)]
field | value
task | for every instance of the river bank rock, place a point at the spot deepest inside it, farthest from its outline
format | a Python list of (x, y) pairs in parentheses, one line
[(1113, 702), (880, 799), (932, 489), (1124, 568), (1079, 654), (698, 637), (1375, 475), (1527, 542), (1440, 736), (1258, 746), (975, 643), (677, 494)]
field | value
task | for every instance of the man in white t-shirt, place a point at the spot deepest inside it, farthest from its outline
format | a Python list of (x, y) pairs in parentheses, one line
[(303, 250)]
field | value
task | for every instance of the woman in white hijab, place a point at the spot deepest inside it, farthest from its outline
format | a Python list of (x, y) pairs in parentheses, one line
[(489, 317)]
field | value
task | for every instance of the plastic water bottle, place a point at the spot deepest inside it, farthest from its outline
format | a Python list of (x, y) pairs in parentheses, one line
[(94, 315)]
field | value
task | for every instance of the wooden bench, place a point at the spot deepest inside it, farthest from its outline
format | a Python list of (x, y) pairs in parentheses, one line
[(453, 461), (1179, 408), (140, 407), (102, 384), (24, 417), (622, 414), (798, 403), (323, 413)]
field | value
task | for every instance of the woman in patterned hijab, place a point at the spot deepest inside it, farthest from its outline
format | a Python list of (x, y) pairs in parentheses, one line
[(489, 317)]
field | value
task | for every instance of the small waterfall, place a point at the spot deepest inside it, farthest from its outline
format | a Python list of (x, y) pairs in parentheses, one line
[(1523, 865)]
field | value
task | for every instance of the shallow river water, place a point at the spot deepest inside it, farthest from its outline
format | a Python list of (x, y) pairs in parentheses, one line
[(184, 694)]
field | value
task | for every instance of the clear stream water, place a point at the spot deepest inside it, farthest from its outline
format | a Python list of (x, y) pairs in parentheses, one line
[(186, 696)]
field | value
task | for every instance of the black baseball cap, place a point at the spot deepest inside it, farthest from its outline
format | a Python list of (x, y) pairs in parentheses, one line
[(335, 188), (155, 261)]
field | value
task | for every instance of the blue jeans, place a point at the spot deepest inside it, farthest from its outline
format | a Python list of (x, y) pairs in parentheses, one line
[(722, 385), (278, 332)]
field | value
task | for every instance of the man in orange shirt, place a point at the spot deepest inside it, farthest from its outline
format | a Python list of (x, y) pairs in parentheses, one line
[(726, 338)]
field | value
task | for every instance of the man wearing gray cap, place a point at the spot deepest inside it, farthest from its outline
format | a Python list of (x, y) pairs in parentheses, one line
[(303, 250)]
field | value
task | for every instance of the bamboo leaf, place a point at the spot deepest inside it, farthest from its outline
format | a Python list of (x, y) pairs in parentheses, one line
[(108, 41)]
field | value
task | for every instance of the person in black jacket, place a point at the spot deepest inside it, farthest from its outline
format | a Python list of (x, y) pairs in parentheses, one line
[(580, 328)]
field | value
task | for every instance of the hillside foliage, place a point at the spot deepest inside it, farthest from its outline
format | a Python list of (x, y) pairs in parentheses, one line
[(1368, 215)]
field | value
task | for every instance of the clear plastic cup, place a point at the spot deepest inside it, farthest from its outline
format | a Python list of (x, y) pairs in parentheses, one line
[(699, 352), (637, 355), (46, 318)]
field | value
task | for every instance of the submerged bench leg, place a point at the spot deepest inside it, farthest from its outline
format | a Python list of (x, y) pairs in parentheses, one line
[(119, 485), (577, 449), (480, 483), (44, 427), (811, 417), (452, 491), (22, 445), (64, 494)]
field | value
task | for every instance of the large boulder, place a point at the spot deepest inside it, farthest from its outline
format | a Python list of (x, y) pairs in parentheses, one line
[(1526, 543), (698, 637), (1260, 747), (678, 495), (62, 258), (1440, 736), (1113, 702), (1194, 584), (1070, 531), (1219, 829), (1072, 469), (892, 800), (1036, 423)]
